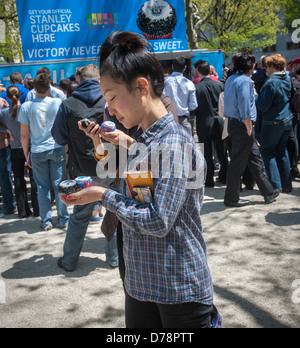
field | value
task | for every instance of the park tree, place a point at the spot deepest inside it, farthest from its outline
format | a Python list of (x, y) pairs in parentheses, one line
[(236, 25), (10, 43), (194, 22), (291, 10)]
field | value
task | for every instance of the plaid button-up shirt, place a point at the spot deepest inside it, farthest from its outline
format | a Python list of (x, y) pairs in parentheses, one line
[(164, 250)]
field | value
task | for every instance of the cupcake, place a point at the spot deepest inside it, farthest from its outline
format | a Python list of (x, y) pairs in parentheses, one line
[(84, 182), (108, 126), (68, 187), (157, 20)]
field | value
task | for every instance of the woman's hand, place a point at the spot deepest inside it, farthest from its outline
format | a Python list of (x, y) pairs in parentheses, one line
[(3, 103), (93, 131), (117, 138), (85, 196)]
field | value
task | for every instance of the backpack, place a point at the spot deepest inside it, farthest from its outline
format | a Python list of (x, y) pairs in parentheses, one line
[(295, 97)]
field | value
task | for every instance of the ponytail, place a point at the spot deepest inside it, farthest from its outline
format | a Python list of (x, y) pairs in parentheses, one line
[(14, 94)]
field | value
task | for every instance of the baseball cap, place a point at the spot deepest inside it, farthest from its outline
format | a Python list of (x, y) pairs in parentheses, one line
[(295, 61)]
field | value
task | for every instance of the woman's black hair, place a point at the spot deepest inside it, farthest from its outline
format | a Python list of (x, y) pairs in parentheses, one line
[(125, 56), (243, 63)]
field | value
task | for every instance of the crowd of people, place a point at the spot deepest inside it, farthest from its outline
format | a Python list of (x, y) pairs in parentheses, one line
[(246, 121)]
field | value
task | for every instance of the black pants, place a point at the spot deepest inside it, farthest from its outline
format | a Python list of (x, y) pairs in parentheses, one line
[(120, 251), (247, 178), (154, 315), (244, 152), (18, 165), (213, 136)]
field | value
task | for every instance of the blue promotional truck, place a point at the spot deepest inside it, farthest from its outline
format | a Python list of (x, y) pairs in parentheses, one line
[(64, 69), (64, 36)]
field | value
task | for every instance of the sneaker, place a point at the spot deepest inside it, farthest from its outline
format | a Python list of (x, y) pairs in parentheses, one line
[(95, 219), (112, 265), (46, 229), (1, 216)]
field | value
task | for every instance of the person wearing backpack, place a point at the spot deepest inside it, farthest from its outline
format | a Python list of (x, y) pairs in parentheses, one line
[(277, 121)]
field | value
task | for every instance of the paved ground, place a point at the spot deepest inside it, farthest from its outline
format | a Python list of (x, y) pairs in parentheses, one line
[(254, 255)]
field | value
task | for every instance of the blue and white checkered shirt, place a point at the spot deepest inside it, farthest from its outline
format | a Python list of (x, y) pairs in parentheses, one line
[(164, 250)]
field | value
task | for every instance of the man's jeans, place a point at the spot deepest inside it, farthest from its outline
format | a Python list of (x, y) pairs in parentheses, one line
[(50, 166), (6, 181), (77, 228), (274, 139), (111, 251)]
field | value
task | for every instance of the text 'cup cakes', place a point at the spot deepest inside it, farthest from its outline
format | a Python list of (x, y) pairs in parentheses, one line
[(157, 20)]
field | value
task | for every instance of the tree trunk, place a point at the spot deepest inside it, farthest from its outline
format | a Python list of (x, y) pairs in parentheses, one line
[(191, 32)]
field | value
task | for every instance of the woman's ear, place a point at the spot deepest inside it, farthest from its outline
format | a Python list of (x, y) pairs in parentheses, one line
[(142, 85)]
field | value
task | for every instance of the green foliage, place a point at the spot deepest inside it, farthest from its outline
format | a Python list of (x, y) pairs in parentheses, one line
[(11, 49), (238, 25), (291, 11)]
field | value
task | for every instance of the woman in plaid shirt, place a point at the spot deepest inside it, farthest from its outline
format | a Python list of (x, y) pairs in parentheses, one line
[(168, 282)]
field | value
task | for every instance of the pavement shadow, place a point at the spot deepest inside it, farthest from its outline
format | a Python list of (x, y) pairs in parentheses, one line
[(284, 219), (262, 317), (107, 318), (45, 265), (16, 226)]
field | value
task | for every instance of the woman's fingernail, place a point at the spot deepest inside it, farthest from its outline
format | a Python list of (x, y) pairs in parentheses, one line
[(69, 198)]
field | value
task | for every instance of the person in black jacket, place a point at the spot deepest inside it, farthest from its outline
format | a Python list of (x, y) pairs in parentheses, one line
[(85, 102), (209, 123)]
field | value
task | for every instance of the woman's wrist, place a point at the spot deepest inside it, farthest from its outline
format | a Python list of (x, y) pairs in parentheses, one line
[(129, 141)]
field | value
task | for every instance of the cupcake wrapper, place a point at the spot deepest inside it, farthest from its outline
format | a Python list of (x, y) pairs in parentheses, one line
[(83, 183)]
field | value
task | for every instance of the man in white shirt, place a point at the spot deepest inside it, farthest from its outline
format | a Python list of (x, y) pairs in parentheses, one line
[(183, 93)]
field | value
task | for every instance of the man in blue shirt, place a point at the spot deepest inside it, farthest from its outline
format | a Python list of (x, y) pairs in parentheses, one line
[(240, 109), (16, 79)]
